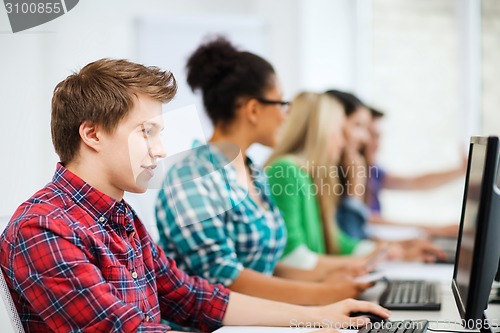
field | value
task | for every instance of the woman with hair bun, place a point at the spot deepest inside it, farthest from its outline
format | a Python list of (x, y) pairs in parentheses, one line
[(239, 247)]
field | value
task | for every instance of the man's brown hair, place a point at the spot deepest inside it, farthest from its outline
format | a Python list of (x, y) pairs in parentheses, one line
[(102, 93)]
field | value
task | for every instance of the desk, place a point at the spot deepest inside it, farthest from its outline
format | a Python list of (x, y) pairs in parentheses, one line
[(437, 272)]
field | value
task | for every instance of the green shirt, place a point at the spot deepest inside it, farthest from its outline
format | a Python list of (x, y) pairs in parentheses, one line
[(296, 195)]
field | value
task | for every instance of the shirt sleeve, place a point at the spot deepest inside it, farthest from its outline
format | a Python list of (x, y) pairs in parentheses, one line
[(301, 258), (54, 274), (187, 300), (352, 217), (284, 190), (190, 213)]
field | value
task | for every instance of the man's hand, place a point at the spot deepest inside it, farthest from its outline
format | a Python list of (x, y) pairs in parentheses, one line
[(450, 230), (338, 314), (417, 250)]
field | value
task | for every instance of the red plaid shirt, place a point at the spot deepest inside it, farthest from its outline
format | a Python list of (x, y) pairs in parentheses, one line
[(77, 260)]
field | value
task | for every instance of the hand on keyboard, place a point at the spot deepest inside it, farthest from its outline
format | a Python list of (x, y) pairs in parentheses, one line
[(344, 286), (417, 250), (340, 313)]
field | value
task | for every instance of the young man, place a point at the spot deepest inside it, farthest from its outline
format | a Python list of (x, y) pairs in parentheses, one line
[(75, 255)]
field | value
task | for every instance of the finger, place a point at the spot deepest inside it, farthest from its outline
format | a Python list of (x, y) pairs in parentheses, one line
[(363, 306), (369, 267), (442, 254), (362, 286), (435, 251), (360, 271), (429, 259)]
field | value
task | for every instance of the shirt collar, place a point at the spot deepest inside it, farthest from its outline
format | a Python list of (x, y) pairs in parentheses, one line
[(211, 150), (99, 205)]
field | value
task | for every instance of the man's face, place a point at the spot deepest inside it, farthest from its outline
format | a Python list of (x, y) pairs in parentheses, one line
[(130, 153)]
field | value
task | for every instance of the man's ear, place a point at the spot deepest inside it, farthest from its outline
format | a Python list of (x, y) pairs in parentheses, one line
[(251, 110), (90, 134)]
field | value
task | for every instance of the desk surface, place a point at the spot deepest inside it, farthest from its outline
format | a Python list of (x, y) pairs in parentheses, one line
[(437, 272)]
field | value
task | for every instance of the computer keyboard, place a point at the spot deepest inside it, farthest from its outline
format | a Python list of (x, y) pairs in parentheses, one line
[(406, 326), (411, 295)]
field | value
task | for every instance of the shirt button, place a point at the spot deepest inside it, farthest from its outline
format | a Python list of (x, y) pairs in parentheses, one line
[(134, 275), (146, 319), (102, 219)]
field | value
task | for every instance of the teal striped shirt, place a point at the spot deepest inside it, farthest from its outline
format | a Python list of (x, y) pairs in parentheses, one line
[(209, 224)]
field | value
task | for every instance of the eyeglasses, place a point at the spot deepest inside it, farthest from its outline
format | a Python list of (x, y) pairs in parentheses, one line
[(284, 104)]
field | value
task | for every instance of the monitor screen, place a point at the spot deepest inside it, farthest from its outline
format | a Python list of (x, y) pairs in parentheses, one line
[(478, 249), (471, 208)]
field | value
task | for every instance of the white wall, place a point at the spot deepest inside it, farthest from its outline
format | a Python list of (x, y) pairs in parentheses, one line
[(314, 44), (490, 98), (327, 44), (415, 80), (33, 62)]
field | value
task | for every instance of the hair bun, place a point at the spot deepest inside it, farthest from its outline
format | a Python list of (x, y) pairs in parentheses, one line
[(212, 61), (223, 74)]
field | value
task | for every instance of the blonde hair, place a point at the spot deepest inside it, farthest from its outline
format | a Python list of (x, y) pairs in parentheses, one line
[(306, 139)]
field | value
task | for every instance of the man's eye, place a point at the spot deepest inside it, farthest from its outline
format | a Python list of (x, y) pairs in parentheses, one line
[(147, 132)]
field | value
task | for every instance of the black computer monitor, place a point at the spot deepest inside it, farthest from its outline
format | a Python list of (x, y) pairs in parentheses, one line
[(478, 248), (497, 277)]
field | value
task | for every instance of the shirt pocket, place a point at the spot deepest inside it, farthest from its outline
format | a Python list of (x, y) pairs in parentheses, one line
[(247, 236), (126, 283)]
